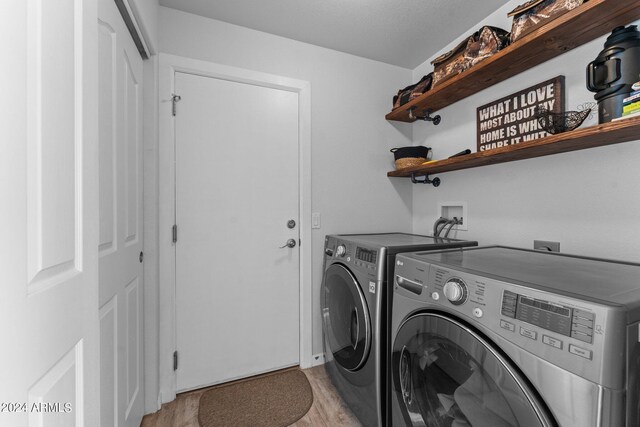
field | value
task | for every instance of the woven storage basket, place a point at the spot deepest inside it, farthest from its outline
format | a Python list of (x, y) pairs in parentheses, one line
[(407, 162), (406, 157)]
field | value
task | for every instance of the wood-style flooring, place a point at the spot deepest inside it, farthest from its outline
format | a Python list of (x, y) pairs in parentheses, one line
[(328, 409)]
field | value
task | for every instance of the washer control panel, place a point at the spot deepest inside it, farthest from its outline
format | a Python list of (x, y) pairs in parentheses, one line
[(565, 320), (565, 331), (456, 291)]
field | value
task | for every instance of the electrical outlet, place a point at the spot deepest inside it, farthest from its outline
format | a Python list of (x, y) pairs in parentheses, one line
[(546, 246)]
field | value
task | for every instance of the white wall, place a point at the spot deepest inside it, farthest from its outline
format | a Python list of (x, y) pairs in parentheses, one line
[(350, 138), (587, 200)]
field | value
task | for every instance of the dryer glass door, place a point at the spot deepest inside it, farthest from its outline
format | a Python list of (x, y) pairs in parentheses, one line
[(346, 317), (445, 374)]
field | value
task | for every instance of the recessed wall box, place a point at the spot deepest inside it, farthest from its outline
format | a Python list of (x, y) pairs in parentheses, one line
[(459, 210)]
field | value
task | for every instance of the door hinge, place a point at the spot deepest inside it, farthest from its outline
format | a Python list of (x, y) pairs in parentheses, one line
[(174, 233), (174, 100), (141, 257), (175, 360)]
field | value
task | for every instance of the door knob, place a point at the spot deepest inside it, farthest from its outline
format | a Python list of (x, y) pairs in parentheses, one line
[(291, 243)]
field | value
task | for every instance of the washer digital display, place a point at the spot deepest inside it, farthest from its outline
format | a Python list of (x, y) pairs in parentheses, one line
[(548, 316)]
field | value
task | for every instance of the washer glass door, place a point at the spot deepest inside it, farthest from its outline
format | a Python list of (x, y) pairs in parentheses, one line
[(346, 317), (445, 374)]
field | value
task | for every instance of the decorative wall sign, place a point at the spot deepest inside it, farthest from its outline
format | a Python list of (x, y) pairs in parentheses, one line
[(511, 120)]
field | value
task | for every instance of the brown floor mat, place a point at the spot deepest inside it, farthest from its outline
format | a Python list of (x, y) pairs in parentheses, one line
[(275, 400)]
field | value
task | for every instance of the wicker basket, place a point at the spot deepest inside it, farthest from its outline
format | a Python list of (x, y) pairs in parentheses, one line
[(406, 157), (407, 162)]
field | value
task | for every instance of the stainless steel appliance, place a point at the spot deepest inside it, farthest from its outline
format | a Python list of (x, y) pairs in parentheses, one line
[(354, 302), (498, 336)]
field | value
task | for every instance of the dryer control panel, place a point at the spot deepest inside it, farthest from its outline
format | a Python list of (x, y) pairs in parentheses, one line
[(366, 255), (367, 260)]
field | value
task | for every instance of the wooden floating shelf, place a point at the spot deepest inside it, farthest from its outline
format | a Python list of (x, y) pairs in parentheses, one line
[(572, 29), (580, 139)]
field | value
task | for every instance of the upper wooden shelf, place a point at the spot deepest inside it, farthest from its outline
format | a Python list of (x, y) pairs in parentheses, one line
[(580, 139), (572, 29)]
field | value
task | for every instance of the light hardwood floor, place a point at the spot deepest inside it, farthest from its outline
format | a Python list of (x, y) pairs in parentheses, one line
[(327, 410)]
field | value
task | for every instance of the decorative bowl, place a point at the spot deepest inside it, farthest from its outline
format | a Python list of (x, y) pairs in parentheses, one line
[(554, 123)]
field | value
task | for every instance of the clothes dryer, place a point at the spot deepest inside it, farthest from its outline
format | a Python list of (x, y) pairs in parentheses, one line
[(499, 336), (354, 301)]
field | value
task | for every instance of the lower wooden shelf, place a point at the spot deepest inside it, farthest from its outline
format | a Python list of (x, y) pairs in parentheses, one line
[(580, 139)]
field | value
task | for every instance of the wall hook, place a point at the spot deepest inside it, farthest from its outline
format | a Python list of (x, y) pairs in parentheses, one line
[(435, 181), (174, 100), (426, 117)]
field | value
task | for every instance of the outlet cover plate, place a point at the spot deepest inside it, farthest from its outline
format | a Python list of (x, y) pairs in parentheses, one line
[(545, 245)]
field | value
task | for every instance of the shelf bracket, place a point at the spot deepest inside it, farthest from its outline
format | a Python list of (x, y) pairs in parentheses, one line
[(426, 117), (425, 180)]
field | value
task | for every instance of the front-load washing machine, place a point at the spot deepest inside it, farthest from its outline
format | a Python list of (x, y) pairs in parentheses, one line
[(498, 336), (354, 302)]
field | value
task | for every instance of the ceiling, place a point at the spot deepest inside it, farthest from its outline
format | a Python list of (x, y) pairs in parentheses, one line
[(398, 32)]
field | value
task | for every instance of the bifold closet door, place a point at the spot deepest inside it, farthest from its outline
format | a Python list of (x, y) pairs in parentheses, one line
[(120, 244), (237, 283), (48, 187)]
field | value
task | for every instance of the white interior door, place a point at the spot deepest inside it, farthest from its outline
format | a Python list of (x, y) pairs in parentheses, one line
[(120, 245), (48, 187), (237, 291)]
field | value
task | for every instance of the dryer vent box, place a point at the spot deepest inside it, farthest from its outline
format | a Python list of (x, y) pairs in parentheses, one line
[(450, 210)]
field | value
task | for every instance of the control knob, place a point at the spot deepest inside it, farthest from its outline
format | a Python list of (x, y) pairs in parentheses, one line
[(456, 291), (341, 251)]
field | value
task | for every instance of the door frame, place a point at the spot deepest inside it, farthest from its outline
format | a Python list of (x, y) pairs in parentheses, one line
[(168, 66)]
